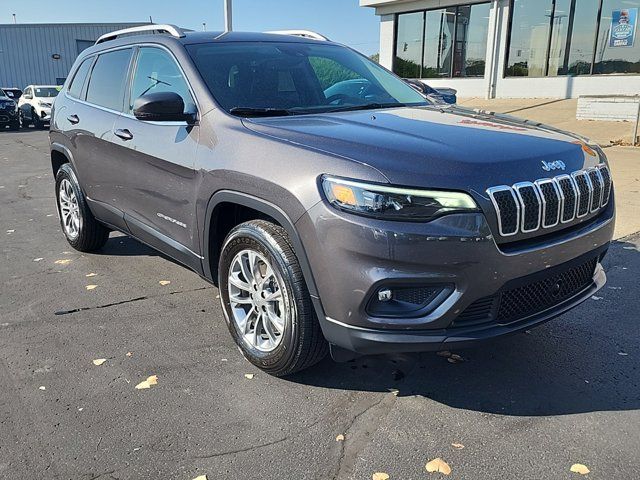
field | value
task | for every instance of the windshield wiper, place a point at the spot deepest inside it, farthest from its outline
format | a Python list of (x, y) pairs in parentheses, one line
[(366, 106), (259, 112)]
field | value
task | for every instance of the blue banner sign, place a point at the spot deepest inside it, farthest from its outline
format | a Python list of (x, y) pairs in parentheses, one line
[(623, 27)]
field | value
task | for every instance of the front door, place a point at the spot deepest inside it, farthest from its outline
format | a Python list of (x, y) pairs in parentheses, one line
[(159, 177)]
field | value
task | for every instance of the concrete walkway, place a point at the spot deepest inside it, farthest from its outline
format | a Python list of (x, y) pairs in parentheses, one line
[(625, 169), (560, 114)]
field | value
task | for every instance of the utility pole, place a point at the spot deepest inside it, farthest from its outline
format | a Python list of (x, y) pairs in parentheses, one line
[(228, 16), (14, 19)]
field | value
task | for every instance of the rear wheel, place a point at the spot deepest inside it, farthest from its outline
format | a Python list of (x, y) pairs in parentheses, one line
[(82, 230), (266, 302)]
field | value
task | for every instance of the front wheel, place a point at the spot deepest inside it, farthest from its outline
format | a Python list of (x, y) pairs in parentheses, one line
[(82, 230), (266, 302)]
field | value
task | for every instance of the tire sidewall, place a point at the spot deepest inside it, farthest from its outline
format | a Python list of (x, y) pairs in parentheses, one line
[(252, 237), (66, 172)]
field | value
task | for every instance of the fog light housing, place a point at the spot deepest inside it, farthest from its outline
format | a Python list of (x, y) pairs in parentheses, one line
[(406, 301)]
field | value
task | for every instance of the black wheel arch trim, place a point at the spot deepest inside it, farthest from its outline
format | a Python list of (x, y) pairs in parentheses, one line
[(267, 208)]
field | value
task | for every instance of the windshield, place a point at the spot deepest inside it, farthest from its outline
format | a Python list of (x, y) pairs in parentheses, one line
[(3, 94), (46, 92), (260, 78)]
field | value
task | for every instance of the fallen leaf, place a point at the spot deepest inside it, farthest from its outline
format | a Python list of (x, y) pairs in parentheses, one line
[(394, 391), (596, 298), (437, 465), (64, 261), (457, 446), (164, 282), (10, 231), (38, 259), (444, 353), (42, 387), (201, 477), (579, 468), (99, 361), (249, 376), (340, 438), (152, 380), (379, 476), (623, 354), (91, 287), (91, 274), (129, 354), (80, 409)]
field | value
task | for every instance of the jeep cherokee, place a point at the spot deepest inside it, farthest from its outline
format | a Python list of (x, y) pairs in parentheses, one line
[(357, 220)]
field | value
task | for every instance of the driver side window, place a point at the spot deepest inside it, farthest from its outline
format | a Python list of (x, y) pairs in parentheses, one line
[(157, 71)]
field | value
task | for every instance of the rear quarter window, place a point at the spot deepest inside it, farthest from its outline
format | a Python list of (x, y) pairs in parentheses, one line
[(75, 88), (108, 79)]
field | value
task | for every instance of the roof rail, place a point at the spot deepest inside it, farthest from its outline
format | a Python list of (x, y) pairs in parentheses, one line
[(152, 27), (301, 33)]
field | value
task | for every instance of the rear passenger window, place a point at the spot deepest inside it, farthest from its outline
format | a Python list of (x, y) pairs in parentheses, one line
[(108, 79), (157, 71), (75, 89)]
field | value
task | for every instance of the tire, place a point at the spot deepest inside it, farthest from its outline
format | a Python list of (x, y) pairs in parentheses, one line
[(300, 343), (88, 234), (35, 119)]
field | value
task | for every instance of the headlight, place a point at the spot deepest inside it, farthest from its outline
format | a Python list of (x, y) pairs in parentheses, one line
[(394, 203)]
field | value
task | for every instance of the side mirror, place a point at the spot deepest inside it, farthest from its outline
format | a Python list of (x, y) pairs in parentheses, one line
[(160, 107)]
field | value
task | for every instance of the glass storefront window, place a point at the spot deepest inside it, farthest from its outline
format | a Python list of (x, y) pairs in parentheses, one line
[(442, 43), (438, 43), (618, 49), (408, 59), (557, 37), (470, 49), (529, 38), (582, 41)]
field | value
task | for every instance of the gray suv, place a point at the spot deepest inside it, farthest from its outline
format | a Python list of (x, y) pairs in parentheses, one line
[(333, 206)]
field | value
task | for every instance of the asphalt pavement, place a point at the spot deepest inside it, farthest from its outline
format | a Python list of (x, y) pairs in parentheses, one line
[(528, 406)]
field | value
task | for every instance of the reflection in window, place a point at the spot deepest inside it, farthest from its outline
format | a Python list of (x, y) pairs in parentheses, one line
[(560, 31), (611, 58), (471, 40), (409, 45), (582, 41), (438, 43), (425, 46), (529, 38)]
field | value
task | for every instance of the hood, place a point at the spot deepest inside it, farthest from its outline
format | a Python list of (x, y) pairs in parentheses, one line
[(435, 147)]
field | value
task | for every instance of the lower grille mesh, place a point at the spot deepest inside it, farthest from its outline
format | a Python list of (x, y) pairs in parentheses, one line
[(517, 303)]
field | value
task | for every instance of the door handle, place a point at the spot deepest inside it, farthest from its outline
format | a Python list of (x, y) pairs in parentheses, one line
[(73, 119), (124, 134)]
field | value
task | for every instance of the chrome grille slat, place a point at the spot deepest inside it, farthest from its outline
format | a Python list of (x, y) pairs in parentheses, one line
[(527, 207)]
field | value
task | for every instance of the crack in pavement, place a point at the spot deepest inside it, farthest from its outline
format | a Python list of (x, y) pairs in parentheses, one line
[(131, 300)]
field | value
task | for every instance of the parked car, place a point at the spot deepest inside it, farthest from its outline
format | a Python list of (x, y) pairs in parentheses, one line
[(329, 221), (8, 112), (35, 104), (439, 95), (12, 92)]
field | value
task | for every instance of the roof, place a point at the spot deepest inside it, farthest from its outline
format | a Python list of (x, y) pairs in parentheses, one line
[(205, 37), (68, 24)]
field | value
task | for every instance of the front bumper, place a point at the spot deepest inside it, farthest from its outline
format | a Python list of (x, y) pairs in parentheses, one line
[(44, 114), (350, 257), (8, 117)]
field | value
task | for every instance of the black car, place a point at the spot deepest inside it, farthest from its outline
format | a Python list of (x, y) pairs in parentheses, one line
[(12, 92), (9, 116)]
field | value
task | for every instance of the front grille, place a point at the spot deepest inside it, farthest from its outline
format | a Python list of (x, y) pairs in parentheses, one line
[(527, 207), (513, 304)]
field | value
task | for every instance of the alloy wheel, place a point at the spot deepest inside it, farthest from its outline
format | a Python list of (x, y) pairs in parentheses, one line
[(256, 299), (69, 209)]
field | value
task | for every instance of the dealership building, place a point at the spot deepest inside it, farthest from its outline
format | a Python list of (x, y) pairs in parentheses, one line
[(44, 53), (514, 48)]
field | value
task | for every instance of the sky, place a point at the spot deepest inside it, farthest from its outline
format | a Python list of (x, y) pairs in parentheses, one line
[(340, 20)]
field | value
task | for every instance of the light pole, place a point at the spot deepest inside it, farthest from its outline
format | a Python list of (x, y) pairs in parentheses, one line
[(228, 16)]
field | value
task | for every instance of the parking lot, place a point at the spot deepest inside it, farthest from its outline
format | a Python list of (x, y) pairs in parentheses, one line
[(527, 406)]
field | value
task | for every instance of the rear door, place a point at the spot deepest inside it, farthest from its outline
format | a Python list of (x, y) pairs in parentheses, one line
[(90, 122), (159, 176)]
